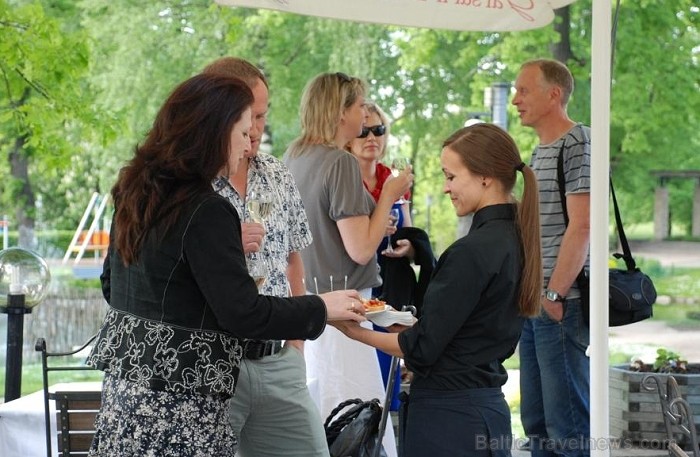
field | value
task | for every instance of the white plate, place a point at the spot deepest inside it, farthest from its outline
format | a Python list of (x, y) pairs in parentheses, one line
[(390, 317)]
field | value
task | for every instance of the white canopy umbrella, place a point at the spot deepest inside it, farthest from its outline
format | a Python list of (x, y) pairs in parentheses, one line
[(478, 15), (515, 15)]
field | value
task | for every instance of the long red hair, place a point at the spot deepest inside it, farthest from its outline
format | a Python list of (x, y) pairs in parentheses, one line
[(185, 150)]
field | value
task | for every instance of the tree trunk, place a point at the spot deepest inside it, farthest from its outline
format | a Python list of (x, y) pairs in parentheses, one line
[(22, 194), (561, 50)]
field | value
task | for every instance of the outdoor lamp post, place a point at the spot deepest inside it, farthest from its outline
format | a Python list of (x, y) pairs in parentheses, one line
[(496, 101), (24, 280)]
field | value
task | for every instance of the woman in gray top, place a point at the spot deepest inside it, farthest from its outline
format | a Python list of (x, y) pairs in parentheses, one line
[(346, 225)]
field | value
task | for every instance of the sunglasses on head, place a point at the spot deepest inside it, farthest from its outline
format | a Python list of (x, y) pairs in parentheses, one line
[(343, 77), (377, 130)]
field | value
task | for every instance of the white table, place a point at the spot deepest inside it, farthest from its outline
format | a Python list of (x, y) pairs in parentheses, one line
[(22, 423)]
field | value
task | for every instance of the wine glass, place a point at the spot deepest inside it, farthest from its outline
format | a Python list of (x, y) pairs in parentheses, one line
[(259, 206), (257, 270), (397, 166), (393, 221)]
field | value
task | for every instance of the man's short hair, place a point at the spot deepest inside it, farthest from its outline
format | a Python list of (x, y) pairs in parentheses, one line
[(237, 68), (555, 72)]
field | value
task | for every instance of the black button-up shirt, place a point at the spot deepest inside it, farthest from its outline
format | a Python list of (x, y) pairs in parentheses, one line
[(470, 322)]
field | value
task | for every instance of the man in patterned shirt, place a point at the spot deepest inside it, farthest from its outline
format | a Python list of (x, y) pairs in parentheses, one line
[(554, 380), (272, 412)]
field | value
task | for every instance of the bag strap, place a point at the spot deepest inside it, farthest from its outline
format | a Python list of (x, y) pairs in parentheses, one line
[(333, 426), (337, 409), (626, 253), (562, 183)]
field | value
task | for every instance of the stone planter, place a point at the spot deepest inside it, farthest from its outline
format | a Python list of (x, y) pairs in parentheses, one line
[(635, 413)]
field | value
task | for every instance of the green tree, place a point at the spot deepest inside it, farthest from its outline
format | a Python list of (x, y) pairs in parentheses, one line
[(138, 56), (126, 56), (656, 103), (44, 113)]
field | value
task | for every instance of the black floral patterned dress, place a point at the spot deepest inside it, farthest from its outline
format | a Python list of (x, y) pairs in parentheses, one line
[(169, 344)]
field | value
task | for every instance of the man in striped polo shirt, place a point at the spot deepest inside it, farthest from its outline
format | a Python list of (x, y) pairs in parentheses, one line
[(554, 381)]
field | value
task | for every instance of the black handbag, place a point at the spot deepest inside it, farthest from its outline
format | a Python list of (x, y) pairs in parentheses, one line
[(355, 433), (631, 293)]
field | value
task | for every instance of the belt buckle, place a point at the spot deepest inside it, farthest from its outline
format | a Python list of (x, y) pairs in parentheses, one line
[(272, 347), (267, 348), (256, 350)]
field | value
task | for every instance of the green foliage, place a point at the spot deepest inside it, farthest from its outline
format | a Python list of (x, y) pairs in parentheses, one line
[(655, 106), (32, 377), (112, 64), (134, 67), (678, 282), (679, 316), (667, 361), (49, 243), (46, 114)]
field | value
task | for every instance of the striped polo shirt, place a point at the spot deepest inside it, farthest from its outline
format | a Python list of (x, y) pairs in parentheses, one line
[(576, 147)]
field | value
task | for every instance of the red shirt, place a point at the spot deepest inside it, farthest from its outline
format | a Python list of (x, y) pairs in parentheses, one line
[(382, 172)]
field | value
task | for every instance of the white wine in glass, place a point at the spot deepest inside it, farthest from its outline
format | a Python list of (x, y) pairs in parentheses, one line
[(257, 270), (398, 165), (259, 207), (259, 281)]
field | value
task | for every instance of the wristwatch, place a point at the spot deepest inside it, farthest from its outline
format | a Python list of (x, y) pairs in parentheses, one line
[(553, 295)]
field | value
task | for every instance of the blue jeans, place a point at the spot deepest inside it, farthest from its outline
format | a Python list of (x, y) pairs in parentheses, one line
[(554, 383)]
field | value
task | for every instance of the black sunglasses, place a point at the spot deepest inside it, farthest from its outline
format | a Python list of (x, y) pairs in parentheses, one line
[(377, 130)]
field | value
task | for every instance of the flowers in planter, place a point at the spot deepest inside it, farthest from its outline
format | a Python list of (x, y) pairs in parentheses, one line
[(667, 361)]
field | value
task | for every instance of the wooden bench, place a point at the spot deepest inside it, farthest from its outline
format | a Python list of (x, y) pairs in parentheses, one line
[(75, 420)]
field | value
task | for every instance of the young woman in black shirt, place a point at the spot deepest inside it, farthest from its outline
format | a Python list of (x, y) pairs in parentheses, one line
[(483, 287)]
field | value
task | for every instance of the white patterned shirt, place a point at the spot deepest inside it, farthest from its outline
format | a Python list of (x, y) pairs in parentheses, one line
[(286, 227)]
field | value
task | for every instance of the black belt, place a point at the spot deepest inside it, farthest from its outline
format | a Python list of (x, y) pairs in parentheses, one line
[(255, 350)]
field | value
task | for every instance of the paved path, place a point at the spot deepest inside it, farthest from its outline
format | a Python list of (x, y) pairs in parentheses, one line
[(643, 338), (668, 253), (634, 452)]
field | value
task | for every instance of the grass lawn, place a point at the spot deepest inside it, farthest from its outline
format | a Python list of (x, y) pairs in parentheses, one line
[(32, 377), (645, 231), (681, 317)]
